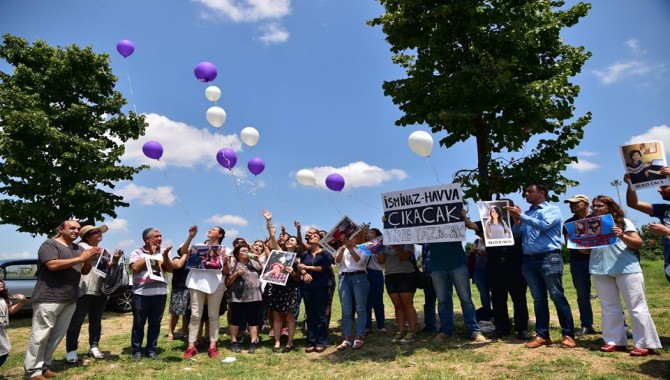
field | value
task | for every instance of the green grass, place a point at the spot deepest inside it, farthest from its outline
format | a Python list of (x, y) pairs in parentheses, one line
[(456, 358)]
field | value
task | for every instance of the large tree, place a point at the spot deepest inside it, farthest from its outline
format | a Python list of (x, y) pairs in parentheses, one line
[(495, 70), (61, 136)]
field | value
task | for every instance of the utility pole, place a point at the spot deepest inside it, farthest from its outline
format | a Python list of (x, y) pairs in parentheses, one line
[(616, 183)]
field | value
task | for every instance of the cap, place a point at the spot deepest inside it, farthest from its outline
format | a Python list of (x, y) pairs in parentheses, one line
[(578, 198)]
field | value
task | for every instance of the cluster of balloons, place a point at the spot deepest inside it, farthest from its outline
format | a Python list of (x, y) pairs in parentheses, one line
[(306, 177)]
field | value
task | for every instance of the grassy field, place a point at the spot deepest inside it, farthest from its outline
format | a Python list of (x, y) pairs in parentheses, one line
[(379, 359)]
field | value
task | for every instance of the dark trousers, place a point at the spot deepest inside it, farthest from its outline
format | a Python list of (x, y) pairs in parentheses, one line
[(581, 279), (375, 299), (90, 305), (316, 303), (505, 277), (147, 309), (429, 316)]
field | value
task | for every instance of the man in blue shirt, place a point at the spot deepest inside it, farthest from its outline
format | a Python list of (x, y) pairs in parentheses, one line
[(543, 264), (658, 210)]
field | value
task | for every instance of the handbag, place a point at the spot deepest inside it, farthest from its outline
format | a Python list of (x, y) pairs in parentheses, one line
[(423, 280), (116, 281)]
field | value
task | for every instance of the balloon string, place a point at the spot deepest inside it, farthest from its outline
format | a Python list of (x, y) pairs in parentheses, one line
[(363, 202), (434, 170), (334, 205), (272, 181), (177, 198), (237, 188), (130, 86)]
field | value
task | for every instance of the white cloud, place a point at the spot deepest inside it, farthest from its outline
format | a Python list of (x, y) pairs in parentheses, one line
[(183, 145), (19, 255), (358, 174), (147, 195), (232, 233), (248, 10), (117, 225), (617, 71), (584, 165), (273, 33), (586, 153), (634, 45), (659, 132), (228, 220)]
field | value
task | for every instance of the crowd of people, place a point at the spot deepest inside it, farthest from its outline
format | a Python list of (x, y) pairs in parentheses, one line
[(67, 291)]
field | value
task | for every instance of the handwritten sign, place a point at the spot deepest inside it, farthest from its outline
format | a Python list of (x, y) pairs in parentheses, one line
[(423, 215)]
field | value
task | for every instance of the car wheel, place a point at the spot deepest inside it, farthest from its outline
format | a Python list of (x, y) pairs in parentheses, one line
[(123, 303)]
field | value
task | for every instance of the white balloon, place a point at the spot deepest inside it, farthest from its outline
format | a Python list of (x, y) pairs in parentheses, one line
[(216, 116), (213, 93), (421, 143), (306, 177), (249, 136)]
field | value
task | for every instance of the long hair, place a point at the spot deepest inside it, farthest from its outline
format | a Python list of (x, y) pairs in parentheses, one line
[(497, 210), (615, 209), (4, 294)]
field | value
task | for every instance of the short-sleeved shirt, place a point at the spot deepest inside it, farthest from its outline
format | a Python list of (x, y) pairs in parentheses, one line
[(446, 256), (322, 259), (246, 288), (348, 263), (143, 285), (5, 345), (615, 259), (575, 255), (662, 212), (60, 286), (393, 264)]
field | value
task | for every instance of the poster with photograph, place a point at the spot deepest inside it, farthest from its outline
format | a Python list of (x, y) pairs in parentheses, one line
[(103, 264), (153, 264), (423, 215), (335, 238), (591, 232), (275, 270), (643, 162), (204, 256), (496, 223)]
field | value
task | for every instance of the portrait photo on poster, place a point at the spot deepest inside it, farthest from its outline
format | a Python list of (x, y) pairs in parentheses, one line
[(335, 237), (496, 223), (154, 268), (204, 256), (591, 232), (103, 264), (276, 270), (643, 162)]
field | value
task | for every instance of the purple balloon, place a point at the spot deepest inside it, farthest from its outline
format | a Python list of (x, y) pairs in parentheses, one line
[(256, 165), (125, 48), (152, 149), (226, 158), (205, 71), (335, 182)]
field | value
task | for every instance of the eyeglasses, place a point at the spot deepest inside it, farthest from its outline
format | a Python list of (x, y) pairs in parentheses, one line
[(96, 232), (599, 206)]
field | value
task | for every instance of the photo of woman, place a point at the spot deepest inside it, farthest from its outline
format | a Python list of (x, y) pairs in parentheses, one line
[(636, 167), (496, 228)]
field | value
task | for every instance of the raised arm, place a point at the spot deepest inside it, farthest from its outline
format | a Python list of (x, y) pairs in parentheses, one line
[(271, 229), (631, 198)]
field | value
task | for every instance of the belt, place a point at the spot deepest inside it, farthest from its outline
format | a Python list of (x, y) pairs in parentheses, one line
[(345, 274), (541, 254)]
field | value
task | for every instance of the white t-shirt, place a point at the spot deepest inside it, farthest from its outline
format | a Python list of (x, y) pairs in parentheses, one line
[(348, 263)]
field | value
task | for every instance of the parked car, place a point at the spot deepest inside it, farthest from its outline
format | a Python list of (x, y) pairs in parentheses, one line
[(20, 276)]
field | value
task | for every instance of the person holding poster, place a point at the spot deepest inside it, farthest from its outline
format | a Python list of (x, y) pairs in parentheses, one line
[(205, 286), (149, 295), (246, 300), (617, 274), (540, 229), (400, 285), (353, 289), (579, 263), (657, 210)]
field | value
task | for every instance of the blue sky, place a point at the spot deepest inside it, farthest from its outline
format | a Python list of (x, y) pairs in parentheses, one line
[(307, 74)]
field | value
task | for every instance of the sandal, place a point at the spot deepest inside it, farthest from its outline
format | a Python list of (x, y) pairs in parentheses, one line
[(170, 338), (382, 331), (286, 349), (344, 345), (358, 344)]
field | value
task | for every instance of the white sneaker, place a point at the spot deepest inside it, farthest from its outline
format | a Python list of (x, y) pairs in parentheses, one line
[(95, 352), (71, 357), (478, 337)]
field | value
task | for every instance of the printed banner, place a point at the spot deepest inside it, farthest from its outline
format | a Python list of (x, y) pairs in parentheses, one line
[(643, 162), (423, 215), (345, 228), (205, 256), (496, 223), (591, 232), (276, 268)]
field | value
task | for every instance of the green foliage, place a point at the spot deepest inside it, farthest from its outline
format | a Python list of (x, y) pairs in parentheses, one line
[(495, 70), (653, 245), (61, 136)]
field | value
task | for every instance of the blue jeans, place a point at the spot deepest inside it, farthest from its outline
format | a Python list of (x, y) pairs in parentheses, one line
[(545, 273), (444, 283), (316, 303), (354, 287), (375, 299), (581, 279), (147, 309), (479, 277), (429, 320)]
